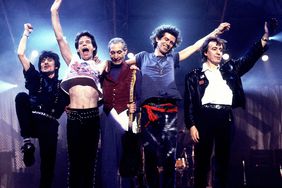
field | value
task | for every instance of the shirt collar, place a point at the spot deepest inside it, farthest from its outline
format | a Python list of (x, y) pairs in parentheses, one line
[(164, 56), (205, 67)]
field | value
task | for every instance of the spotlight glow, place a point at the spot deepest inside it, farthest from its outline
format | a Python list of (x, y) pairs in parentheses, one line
[(34, 54), (265, 58), (130, 55), (226, 57), (277, 37), (4, 86)]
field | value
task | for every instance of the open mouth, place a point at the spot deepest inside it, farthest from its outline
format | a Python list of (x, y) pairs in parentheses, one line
[(85, 50), (116, 59)]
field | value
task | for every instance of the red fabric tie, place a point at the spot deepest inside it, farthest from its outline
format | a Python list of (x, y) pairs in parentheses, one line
[(168, 107)]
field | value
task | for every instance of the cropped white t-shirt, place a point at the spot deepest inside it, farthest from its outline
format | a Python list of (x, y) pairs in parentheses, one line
[(81, 72)]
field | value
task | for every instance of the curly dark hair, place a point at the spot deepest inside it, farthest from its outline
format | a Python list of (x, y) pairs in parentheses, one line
[(44, 54), (161, 30), (88, 34), (204, 48)]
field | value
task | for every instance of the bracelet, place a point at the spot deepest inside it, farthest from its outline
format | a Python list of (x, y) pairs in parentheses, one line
[(265, 39), (26, 35)]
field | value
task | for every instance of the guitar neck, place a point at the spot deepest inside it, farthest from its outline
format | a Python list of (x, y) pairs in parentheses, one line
[(131, 96)]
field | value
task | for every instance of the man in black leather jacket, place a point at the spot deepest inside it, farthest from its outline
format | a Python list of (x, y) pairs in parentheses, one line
[(211, 92)]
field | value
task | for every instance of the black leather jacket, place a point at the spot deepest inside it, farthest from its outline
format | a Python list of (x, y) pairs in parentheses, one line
[(45, 93), (231, 71)]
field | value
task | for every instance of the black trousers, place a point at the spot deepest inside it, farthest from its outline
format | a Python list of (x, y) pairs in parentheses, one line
[(215, 131), (43, 128), (159, 140), (83, 128)]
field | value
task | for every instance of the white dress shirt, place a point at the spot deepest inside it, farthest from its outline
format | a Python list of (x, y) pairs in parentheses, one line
[(217, 91)]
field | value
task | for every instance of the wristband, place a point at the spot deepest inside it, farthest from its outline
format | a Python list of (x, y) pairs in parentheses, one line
[(26, 34)]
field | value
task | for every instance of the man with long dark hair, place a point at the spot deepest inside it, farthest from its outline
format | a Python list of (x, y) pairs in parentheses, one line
[(39, 110)]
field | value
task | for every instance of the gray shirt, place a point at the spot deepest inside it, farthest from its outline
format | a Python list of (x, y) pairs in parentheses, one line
[(158, 75)]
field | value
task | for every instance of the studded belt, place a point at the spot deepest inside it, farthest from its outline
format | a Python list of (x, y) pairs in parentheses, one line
[(217, 106), (82, 114), (44, 114)]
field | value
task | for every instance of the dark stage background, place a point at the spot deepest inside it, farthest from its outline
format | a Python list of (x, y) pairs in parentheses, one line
[(258, 130)]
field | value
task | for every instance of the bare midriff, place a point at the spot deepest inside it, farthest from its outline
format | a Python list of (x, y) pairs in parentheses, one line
[(83, 97)]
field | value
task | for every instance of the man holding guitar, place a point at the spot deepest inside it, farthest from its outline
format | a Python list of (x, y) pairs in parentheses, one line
[(118, 84)]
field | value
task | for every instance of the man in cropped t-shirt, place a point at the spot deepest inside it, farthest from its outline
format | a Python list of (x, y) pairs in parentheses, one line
[(81, 83)]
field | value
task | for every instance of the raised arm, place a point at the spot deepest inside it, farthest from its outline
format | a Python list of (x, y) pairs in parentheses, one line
[(185, 53), (265, 36), (63, 44), (22, 46)]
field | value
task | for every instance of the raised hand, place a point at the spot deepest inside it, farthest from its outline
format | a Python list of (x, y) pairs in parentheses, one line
[(27, 29), (56, 5), (225, 26), (131, 107)]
